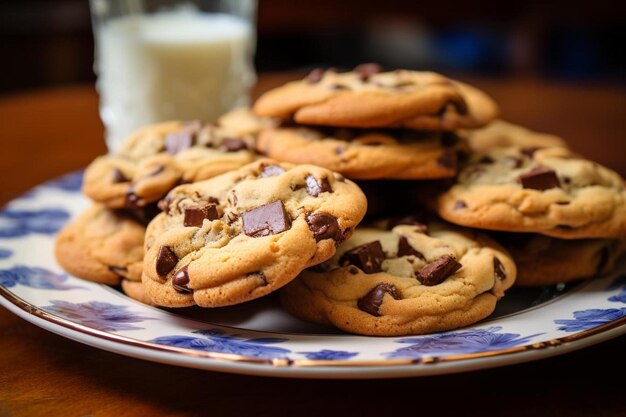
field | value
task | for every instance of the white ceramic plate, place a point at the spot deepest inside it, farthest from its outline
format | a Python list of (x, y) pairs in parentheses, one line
[(258, 337)]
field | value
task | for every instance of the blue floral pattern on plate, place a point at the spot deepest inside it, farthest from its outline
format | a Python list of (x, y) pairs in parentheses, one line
[(588, 319), (329, 355), (5, 253), (34, 277), (97, 314), (215, 340), (466, 341), (18, 223)]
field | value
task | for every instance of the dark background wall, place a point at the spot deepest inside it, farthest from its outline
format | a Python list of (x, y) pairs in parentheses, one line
[(49, 42)]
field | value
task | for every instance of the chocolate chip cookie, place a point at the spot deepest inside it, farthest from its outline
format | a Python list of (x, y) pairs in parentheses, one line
[(499, 133), (102, 245), (246, 233), (542, 260), (549, 191), (408, 278), (367, 97), (159, 157), (366, 154)]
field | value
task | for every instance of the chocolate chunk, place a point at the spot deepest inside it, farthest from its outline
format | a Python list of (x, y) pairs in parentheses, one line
[(365, 71), (415, 219), (166, 260), (459, 205), (371, 302), (368, 257), (324, 226), (315, 76), (530, 151), (180, 282), (120, 271), (436, 272), (194, 216), (567, 180), (353, 270), (539, 178), (486, 160), (233, 145), (132, 200), (271, 171), (265, 220), (405, 249), (498, 269), (340, 150), (448, 159), (178, 141), (143, 214), (118, 176), (315, 188)]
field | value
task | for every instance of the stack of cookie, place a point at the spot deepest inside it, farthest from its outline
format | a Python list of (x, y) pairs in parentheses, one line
[(266, 201)]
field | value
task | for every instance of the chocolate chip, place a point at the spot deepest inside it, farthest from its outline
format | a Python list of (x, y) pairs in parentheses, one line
[(132, 200), (486, 160), (448, 159), (539, 178), (603, 259), (405, 249), (118, 176), (166, 260), (567, 180), (178, 141), (265, 220), (120, 271), (368, 257), (371, 302), (530, 151), (315, 187), (233, 145), (180, 282), (324, 226), (194, 216), (449, 139), (436, 272), (459, 205), (498, 269), (315, 76), (340, 150), (353, 270), (365, 71), (143, 214), (418, 220), (271, 171)]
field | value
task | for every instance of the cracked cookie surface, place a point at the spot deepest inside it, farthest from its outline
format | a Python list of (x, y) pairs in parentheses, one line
[(549, 191), (367, 97), (365, 154), (246, 233), (158, 157), (414, 278), (102, 245)]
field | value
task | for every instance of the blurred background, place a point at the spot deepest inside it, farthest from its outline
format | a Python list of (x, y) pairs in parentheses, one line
[(49, 42)]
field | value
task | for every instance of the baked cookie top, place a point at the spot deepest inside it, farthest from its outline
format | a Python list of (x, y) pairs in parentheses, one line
[(499, 134), (549, 191), (158, 157), (366, 153), (412, 278), (367, 97), (543, 260), (246, 233), (102, 245)]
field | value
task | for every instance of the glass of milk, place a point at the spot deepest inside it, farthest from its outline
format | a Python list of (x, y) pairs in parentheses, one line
[(167, 60)]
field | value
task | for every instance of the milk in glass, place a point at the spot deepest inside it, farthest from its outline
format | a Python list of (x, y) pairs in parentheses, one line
[(177, 64)]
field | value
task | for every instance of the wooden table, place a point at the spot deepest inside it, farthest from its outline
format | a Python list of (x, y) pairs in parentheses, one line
[(47, 133)]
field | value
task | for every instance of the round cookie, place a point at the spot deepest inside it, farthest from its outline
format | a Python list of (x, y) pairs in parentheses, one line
[(158, 157), (499, 133), (102, 245), (412, 279), (549, 191), (367, 97), (246, 233), (542, 260), (365, 154)]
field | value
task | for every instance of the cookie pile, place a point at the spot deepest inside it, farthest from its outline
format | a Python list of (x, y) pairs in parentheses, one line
[(219, 214)]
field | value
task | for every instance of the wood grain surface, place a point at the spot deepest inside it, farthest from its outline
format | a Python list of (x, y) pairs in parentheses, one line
[(47, 133)]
